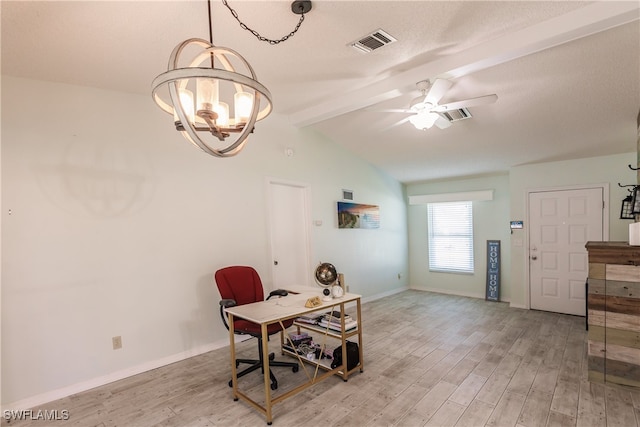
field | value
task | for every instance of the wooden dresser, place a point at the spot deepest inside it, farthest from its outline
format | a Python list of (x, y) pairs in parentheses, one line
[(613, 310)]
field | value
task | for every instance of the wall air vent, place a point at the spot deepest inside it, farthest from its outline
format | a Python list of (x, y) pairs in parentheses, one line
[(456, 115), (373, 41)]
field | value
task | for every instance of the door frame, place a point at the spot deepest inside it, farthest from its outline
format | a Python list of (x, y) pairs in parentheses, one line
[(527, 254), (306, 190)]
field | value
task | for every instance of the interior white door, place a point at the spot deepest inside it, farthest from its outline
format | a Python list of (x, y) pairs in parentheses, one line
[(289, 229), (562, 222)]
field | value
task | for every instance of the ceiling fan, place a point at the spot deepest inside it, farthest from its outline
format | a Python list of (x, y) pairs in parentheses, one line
[(425, 112)]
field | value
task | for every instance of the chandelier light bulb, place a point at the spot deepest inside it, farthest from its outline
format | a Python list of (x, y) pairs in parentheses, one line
[(243, 103), (222, 110), (186, 101), (207, 93)]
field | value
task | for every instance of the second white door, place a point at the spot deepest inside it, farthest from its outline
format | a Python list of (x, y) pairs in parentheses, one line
[(289, 229), (562, 222)]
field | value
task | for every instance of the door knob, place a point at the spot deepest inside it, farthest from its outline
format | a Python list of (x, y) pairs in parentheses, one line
[(534, 257), (275, 262)]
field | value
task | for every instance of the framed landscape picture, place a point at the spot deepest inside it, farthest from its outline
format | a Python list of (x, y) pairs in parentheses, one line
[(355, 215)]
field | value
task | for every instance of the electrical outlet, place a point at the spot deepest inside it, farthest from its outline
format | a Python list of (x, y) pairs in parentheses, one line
[(117, 342)]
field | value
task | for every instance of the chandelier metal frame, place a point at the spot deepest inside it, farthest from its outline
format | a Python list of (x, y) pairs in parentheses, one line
[(177, 78)]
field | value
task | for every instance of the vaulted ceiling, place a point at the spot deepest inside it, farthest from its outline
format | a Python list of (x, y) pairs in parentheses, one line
[(567, 73)]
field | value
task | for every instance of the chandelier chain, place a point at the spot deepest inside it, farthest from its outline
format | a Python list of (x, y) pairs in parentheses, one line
[(256, 34)]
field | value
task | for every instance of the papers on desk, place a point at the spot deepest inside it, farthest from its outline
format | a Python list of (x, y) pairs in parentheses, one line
[(296, 300)]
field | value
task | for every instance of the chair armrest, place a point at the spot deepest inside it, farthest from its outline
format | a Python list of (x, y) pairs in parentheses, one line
[(278, 292), (228, 303)]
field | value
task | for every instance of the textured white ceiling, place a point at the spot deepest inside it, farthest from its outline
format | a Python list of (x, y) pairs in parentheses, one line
[(567, 73)]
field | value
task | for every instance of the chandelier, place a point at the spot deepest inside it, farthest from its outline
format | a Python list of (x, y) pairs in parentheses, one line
[(219, 77)]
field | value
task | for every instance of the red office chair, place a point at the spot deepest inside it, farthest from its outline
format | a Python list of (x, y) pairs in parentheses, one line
[(240, 285)]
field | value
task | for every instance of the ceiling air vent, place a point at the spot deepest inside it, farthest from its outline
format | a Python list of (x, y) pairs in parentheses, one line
[(373, 41), (456, 115)]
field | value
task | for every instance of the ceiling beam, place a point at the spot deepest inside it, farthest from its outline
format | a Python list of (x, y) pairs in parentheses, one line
[(591, 19)]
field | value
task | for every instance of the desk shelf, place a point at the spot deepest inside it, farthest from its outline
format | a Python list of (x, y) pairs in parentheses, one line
[(324, 364), (325, 331)]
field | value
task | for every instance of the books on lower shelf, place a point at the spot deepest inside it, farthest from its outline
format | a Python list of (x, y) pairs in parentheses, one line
[(311, 318), (331, 320), (337, 326)]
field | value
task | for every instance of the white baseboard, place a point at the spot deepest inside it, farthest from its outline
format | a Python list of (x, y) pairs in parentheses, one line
[(512, 305), (452, 292), (461, 294), (384, 294), (52, 395)]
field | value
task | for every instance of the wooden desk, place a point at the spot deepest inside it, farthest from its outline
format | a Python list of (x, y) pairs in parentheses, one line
[(278, 310)]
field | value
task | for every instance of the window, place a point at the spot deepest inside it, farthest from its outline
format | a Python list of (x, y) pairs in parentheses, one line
[(451, 237)]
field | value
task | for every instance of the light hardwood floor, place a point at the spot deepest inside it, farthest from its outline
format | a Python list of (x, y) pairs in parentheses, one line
[(430, 359)]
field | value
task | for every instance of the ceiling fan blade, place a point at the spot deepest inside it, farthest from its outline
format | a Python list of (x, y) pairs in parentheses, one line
[(442, 123), (398, 123), (437, 90), (471, 102), (392, 110)]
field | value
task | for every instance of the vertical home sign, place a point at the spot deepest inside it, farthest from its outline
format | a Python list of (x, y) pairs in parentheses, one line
[(493, 270)]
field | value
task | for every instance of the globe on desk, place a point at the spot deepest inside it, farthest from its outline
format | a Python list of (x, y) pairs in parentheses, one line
[(326, 276)]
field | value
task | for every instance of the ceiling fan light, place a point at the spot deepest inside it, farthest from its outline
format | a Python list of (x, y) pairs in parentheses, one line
[(423, 121)]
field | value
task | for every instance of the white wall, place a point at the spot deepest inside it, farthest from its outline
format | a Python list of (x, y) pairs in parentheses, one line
[(112, 224), (490, 222)]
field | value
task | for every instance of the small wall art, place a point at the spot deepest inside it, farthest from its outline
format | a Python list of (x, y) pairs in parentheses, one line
[(355, 215)]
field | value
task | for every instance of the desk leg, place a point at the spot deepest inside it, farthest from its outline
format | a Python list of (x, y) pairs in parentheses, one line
[(360, 349), (232, 347), (345, 369), (267, 377)]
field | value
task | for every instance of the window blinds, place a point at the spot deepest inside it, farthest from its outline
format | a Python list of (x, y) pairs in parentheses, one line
[(450, 236)]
